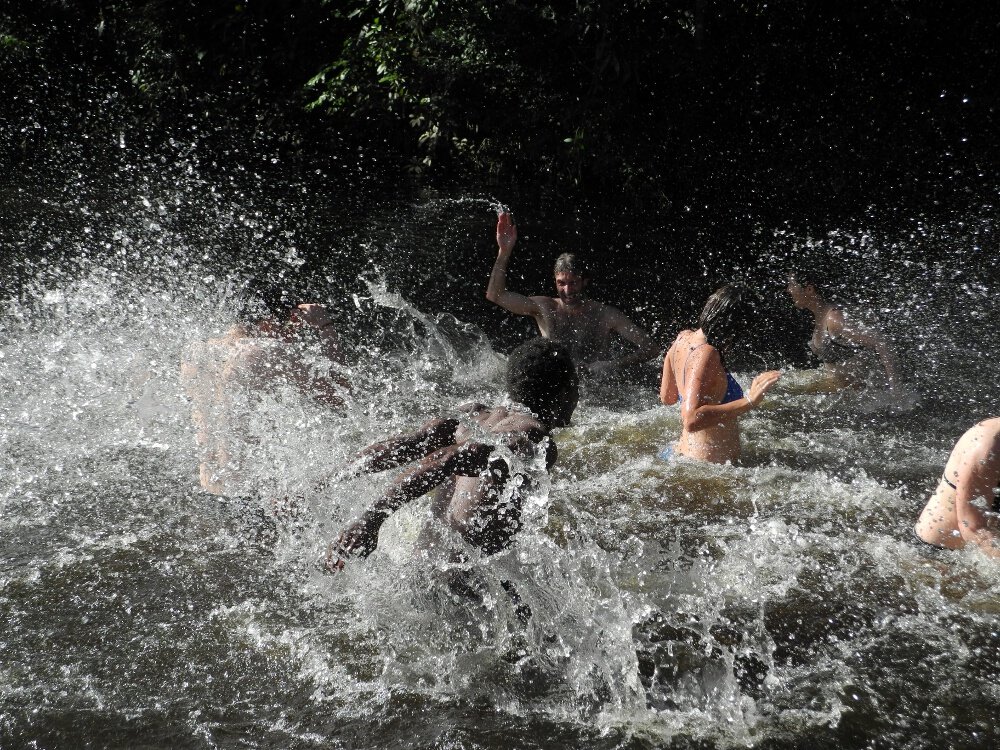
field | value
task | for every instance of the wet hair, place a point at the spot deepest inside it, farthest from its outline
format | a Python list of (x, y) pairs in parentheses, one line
[(541, 375), (814, 279), (570, 263), (726, 316)]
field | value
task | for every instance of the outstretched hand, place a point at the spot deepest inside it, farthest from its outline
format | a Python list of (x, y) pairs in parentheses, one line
[(358, 540), (761, 385), (506, 232)]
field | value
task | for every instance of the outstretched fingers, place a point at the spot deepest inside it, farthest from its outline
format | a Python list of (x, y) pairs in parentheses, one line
[(506, 231), (762, 384)]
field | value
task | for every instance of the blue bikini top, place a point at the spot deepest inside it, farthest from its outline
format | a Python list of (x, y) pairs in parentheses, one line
[(734, 391)]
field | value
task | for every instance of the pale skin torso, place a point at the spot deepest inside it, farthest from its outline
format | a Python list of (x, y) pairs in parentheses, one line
[(959, 516), (224, 373), (693, 374)]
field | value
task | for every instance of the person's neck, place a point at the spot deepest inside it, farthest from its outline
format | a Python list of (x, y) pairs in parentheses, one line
[(819, 308)]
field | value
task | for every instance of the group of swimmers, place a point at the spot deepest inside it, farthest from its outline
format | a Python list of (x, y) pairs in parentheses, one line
[(468, 460)]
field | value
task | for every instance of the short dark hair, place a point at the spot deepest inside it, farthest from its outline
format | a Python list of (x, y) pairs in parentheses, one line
[(262, 300), (815, 279), (726, 316), (540, 375), (571, 263)]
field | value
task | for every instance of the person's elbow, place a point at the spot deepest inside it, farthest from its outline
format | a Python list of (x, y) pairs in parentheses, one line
[(690, 419)]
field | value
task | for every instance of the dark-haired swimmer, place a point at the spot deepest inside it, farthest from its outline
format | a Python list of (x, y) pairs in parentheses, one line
[(571, 318), (467, 461), (838, 342), (694, 373), (963, 509)]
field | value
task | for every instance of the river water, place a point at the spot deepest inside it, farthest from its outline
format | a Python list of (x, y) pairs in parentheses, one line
[(780, 603)]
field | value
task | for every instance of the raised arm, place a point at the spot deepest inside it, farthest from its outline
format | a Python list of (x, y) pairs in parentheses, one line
[(360, 538), (838, 325), (497, 291)]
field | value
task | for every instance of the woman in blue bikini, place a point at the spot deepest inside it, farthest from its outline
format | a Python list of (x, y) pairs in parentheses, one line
[(694, 374)]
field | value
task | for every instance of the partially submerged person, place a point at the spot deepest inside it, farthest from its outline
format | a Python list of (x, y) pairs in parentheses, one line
[(276, 343), (694, 374), (843, 346), (571, 318), (963, 510), (469, 461)]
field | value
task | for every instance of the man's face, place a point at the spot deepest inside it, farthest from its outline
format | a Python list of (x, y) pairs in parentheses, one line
[(798, 294), (569, 286)]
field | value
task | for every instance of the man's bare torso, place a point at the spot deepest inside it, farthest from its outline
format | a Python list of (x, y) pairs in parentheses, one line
[(585, 327)]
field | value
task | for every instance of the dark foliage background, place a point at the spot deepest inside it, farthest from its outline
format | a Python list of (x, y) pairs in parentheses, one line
[(667, 138)]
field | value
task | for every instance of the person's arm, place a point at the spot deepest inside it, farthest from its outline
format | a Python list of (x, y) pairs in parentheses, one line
[(840, 327), (396, 451), (497, 291), (668, 381), (319, 318), (325, 388), (697, 415), (976, 476), (360, 538), (620, 323)]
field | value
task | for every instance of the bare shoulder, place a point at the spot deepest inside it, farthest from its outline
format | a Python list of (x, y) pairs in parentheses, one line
[(979, 447), (835, 320), (611, 313), (548, 304), (984, 438)]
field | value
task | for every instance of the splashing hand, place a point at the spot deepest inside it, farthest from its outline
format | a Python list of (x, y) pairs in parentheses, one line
[(761, 385), (358, 540), (506, 232)]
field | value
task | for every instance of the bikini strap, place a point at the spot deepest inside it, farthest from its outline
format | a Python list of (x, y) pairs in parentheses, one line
[(684, 366)]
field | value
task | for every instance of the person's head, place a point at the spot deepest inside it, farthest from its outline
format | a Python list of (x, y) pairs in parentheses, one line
[(804, 289), (541, 375), (725, 317), (572, 277), (266, 303)]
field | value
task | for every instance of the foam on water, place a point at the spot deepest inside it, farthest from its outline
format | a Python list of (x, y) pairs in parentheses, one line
[(776, 603)]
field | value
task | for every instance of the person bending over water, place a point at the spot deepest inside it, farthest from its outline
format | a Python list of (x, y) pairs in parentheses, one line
[(839, 343), (694, 373), (463, 459), (963, 509), (276, 343), (584, 325)]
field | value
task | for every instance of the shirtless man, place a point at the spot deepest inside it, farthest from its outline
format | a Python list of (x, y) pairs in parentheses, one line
[(467, 461), (962, 510), (584, 325), (275, 344)]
